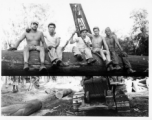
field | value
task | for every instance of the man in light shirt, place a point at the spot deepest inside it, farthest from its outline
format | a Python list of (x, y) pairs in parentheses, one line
[(53, 42), (82, 46)]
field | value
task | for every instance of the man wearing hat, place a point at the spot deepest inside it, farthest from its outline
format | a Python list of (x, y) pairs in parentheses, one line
[(53, 42), (82, 46), (143, 42), (33, 38), (111, 40), (98, 43)]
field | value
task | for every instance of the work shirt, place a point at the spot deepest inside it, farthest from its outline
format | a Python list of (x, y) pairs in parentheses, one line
[(80, 43), (51, 40)]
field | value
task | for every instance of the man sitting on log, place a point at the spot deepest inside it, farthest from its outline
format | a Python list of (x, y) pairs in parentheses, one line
[(111, 41), (53, 42), (82, 46), (143, 42), (98, 43), (33, 38)]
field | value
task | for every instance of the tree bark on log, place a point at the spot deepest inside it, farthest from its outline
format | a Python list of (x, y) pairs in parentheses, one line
[(12, 65), (24, 109), (63, 93)]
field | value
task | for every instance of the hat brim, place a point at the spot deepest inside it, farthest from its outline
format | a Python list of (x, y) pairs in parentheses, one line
[(35, 23), (83, 30)]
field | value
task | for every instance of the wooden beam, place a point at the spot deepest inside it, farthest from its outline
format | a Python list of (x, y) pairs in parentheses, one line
[(12, 65)]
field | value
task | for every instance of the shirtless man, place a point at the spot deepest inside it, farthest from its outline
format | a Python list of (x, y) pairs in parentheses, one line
[(111, 41), (82, 46), (33, 38), (53, 42), (97, 43)]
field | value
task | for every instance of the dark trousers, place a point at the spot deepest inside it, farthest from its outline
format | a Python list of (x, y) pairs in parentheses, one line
[(115, 59)]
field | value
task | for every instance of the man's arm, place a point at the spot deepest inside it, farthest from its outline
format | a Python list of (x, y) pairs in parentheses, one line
[(43, 41), (117, 42), (19, 40), (89, 43), (57, 42), (105, 44), (89, 35), (71, 39), (123, 54), (68, 41)]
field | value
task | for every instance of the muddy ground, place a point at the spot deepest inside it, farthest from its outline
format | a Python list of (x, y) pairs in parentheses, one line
[(52, 106)]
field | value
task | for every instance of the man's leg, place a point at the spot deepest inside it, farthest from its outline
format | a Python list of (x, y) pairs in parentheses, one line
[(107, 54), (42, 56), (98, 50), (102, 55), (26, 57), (88, 56), (59, 56), (115, 60), (127, 64), (108, 60), (77, 53), (52, 55), (59, 53)]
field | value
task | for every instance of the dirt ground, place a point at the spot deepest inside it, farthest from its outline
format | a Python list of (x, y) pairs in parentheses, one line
[(63, 107)]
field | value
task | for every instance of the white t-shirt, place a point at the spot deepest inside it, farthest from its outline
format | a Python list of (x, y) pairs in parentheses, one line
[(51, 40), (80, 43)]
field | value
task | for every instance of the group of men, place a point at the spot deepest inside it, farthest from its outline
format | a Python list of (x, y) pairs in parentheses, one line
[(87, 44)]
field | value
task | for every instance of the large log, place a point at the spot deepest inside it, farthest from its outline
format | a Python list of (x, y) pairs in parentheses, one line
[(24, 109), (12, 65)]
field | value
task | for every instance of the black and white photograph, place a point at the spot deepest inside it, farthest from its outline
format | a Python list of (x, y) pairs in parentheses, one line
[(75, 58)]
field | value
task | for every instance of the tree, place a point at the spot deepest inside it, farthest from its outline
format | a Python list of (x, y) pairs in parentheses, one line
[(140, 20), (18, 18)]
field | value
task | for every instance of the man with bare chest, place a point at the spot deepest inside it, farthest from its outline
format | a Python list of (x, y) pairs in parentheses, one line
[(33, 39), (111, 42), (98, 43)]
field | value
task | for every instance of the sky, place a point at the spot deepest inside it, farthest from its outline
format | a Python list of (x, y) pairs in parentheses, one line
[(102, 13)]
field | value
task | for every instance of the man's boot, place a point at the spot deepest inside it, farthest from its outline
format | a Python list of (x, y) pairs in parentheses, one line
[(26, 66), (54, 63), (42, 67), (79, 57), (130, 70), (91, 60), (62, 64), (117, 67), (109, 67), (58, 62)]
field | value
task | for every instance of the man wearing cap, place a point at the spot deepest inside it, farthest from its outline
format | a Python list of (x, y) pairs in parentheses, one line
[(143, 42), (98, 43), (33, 38), (82, 46), (111, 41), (53, 42)]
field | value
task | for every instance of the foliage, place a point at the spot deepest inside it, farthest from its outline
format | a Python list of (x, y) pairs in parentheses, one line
[(140, 19), (127, 45), (19, 18)]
